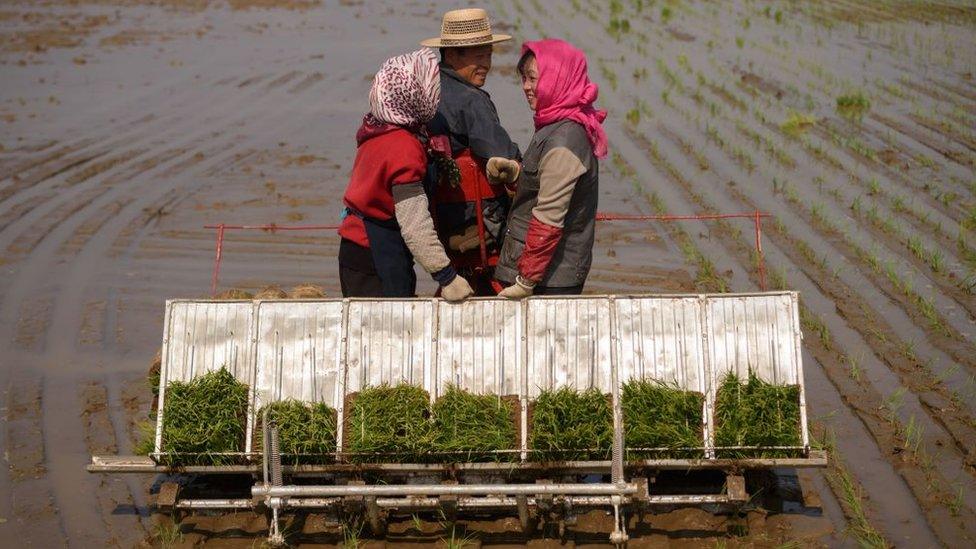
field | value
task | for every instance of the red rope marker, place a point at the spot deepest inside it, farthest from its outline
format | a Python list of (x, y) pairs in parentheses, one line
[(755, 216)]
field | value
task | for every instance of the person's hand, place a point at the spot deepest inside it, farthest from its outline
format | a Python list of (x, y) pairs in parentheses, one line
[(502, 171), (457, 290), (520, 290)]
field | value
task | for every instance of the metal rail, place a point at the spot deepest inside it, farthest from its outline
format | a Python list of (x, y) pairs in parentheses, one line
[(145, 465), (376, 490)]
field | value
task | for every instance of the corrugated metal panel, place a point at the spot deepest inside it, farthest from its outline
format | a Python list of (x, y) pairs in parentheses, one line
[(660, 338), (205, 335), (297, 351), (478, 345), (202, 336), (567, 343), (753, 333), (389, 341), (324, 349)]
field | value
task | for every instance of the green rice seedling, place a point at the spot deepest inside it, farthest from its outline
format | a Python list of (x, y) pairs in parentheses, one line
[(855, 366), (618, 27), (390, 424), (167, 534), (658, 415), (874, 187), (633, 116), (352, 534), (936, 260), (853, 105), (306, 431), (571, 425), (472, 427), (894, 402), (203, 419), (913, 434), (152, 379), (756, 413), (608, 74), (866, 535), (146, 442), (957, 502), (915, 246)]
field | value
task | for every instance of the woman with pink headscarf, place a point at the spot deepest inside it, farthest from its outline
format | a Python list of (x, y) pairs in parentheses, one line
[(548, 245), (386, 223)]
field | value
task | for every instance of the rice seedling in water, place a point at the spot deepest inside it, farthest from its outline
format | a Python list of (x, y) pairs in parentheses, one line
[(471, 427), (390, 424), (633, 117), (306, 431), (657, 415), (204, 419), (853, 105), (571, 425), (167, 535), (796, 123), (756, 413)]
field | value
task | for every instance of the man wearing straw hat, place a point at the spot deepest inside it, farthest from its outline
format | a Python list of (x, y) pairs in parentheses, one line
[(467, 116)]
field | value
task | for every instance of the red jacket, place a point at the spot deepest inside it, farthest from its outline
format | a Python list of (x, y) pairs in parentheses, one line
[(393, 157)]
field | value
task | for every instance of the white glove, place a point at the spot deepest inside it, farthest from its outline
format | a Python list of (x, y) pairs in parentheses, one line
[(502, 171), (457, 290), (521, 289)]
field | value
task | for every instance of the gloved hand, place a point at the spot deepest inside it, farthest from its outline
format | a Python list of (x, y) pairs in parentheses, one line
[(521, 289), (502, 171), (457, 290)]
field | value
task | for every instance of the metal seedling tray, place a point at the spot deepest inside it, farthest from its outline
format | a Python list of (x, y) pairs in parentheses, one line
[(323, 350)]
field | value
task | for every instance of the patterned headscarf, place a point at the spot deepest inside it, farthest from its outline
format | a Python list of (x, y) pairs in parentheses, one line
[(406, 89)]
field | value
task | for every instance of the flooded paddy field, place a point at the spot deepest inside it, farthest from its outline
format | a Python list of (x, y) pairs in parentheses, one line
[(127, 125)]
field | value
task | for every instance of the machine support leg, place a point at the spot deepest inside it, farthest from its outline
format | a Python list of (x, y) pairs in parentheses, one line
[(525, 520), (735, 485), (619, 535), (376, 521), (272, 474)]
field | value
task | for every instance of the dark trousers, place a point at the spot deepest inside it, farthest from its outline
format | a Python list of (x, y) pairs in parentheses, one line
[(566, 290), (360, 277), (357, 274)]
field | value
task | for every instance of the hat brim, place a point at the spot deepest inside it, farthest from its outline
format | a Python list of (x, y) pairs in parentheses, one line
[(437, 43)]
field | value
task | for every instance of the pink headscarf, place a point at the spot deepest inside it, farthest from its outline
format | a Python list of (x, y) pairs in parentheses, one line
[(564, 90)]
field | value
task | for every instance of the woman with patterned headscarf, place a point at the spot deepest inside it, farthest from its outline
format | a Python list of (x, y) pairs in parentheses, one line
[(387, 223)]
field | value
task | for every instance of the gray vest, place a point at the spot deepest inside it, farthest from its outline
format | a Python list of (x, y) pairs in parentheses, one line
[(571, 262)]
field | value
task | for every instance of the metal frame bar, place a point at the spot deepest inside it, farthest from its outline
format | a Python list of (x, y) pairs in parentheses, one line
[(145, 465), (797, 336), (261, 490)]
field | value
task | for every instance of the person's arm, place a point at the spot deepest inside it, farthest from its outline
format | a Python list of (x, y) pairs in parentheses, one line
[(405, 172), (417, 227), (413, 215), (559, 171)]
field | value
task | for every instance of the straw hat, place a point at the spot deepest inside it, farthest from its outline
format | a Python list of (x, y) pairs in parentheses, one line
[(465, 28)]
